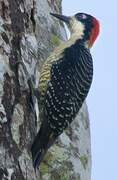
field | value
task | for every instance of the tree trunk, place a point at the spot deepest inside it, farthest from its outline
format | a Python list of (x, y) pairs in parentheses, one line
[(28, 33)]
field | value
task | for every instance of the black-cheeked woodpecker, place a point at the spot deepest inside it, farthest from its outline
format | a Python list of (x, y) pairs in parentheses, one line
[(65, 81)]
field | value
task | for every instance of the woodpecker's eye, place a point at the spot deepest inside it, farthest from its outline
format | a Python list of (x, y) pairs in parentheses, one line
[(81, 16), (84, 16)]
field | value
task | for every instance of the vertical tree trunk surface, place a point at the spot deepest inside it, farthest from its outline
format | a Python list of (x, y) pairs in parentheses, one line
[(28, 33)]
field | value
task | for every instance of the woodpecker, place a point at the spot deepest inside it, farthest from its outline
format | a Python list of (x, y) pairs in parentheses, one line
[(65, 81)]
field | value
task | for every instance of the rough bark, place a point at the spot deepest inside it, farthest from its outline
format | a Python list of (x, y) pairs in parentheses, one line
[(28, 33)]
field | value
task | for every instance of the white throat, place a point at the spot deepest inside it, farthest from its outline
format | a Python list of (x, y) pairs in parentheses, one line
[(77, 29)]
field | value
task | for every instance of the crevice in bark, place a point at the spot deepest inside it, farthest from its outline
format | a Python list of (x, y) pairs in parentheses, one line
[(7, 97), (3, 172), (16, 17), (33, 19), (5, 37), (4, 9)]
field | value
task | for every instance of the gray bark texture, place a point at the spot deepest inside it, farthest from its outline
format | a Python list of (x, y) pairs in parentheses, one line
[(28, 33)]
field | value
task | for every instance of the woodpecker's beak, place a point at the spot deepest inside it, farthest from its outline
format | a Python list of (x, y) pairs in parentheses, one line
[(61, 17)]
